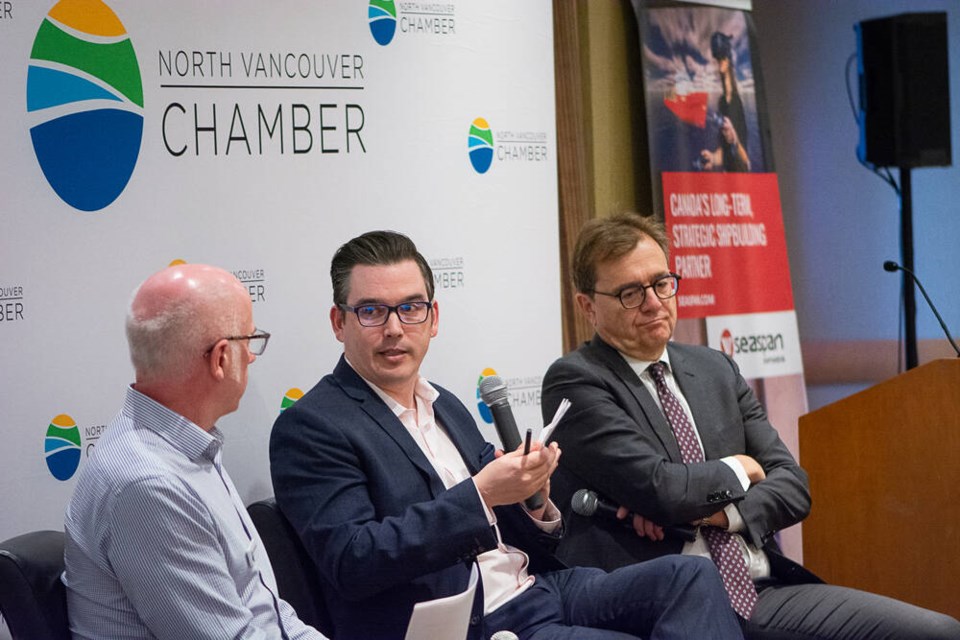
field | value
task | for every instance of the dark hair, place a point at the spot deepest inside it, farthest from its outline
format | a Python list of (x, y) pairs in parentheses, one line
[(374, 248), (721, 46), (609, 238)]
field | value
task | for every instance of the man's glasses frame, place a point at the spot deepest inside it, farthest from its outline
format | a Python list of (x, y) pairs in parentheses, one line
[(257, 341), (634, 295), (369, 315)]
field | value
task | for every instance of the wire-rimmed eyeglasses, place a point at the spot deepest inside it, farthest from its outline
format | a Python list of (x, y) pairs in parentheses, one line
[(256, 341)]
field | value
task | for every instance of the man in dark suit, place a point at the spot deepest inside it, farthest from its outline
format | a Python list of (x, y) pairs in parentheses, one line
[(673, 435), (396, 495)]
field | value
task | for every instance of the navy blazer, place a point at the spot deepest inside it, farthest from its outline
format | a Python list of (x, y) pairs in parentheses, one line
[(616, 441), (373, 514)]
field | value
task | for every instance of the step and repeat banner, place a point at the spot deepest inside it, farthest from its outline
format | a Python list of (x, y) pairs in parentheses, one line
[(259, 137)]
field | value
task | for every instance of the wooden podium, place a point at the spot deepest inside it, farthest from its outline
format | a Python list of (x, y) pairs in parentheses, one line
[(884, 469)]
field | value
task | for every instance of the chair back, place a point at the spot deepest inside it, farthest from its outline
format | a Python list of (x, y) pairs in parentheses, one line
[(33, 600), (295, 572)]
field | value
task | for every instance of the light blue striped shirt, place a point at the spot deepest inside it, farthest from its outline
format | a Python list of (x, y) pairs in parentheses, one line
[(158, 543)]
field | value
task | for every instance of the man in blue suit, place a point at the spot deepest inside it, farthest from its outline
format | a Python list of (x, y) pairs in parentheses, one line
[(396, 495)]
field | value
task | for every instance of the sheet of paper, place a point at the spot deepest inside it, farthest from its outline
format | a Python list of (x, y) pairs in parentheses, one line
[(447, 618), (547, 431)]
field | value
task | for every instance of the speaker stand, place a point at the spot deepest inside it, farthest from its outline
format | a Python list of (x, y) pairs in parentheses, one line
[(906, 251)]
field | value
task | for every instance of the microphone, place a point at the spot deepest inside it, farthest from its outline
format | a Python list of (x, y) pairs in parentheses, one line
[(588, 504), (504, 635), (891, 266), (493, 392)]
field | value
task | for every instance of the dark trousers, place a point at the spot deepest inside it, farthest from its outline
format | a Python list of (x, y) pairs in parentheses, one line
[(827, 612), (670, 597)]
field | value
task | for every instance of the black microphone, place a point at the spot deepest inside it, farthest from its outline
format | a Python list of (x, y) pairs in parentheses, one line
[(493, 392), (892, 266), (588, 504)]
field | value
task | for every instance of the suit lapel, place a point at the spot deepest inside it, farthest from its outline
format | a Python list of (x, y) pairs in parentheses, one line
[(355, 387), (651, 413), (457, 435), (685, 374)]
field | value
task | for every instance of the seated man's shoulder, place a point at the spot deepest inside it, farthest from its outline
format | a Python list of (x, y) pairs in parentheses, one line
[(701, 354)]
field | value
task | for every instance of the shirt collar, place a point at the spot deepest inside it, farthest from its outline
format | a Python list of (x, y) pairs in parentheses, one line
[(423, 390), (182, 434), (641, 365)]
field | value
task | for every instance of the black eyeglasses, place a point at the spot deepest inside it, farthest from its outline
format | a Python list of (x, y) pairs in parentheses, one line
[(632, 296), (257, 341), (375, 315)]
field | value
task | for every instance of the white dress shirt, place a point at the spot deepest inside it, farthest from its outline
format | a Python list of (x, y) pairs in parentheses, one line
[(757, 561), (504, 569)]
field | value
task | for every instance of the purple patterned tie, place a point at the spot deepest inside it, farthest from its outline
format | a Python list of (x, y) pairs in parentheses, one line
[(724, 548)]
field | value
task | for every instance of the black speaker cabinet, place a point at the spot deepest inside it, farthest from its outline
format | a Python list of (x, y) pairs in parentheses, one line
[(904, 90)]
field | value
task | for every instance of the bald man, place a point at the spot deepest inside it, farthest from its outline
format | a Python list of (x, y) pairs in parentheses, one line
[(158, 543)]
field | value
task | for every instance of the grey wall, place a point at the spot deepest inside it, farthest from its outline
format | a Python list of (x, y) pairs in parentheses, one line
[(842, 221)]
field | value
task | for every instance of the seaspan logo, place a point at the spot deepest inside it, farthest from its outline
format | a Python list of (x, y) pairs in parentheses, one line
[(762, 343), (726, 342)]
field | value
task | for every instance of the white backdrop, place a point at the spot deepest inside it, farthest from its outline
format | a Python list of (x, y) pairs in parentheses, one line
[(385, 146)]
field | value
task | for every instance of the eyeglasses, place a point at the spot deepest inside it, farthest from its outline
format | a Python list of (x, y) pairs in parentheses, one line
[(375, 315), (257, 341), (632, 296)]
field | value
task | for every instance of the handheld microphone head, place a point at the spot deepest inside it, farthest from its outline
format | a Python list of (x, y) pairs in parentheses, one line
[(891, 266), (504, 635), (493, 391), (584, 502)]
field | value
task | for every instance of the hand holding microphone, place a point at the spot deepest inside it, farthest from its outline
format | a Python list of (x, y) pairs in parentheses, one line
[(514, 471)]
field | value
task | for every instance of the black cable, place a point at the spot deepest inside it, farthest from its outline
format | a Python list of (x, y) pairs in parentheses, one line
[(886, 176)]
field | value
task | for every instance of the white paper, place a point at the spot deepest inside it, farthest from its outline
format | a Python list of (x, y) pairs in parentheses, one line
[(447, 618)]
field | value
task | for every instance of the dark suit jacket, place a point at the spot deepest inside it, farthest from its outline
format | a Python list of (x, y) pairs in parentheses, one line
[(381, 528), (616, 441)]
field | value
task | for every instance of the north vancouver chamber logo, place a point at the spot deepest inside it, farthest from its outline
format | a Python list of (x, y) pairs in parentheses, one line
[(482, 407), (62, 447), (382, 15), (412, 18), (480, 145), (85, 96), (289, 398)]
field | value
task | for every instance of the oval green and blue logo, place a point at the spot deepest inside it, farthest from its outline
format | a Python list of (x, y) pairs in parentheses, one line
[(85, 98), (480, 144), (382, 15), (481, 405), (62, 447), (289, 398)]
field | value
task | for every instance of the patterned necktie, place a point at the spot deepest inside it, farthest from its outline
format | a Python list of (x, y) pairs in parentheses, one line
[(724, 548)]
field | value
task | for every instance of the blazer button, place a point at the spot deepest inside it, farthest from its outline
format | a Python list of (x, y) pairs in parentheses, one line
[(474, 621)]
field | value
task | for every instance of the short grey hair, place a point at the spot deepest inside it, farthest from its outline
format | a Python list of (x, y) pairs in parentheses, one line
[(170, 343)]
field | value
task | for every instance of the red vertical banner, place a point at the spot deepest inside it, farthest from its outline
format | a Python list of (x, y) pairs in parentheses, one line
[(727, 241), (715, 189)]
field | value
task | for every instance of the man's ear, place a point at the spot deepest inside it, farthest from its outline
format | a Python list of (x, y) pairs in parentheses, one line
[(217, 360), (587, 307), (435, 320), (337, 320)]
